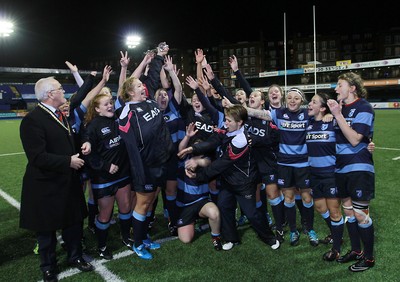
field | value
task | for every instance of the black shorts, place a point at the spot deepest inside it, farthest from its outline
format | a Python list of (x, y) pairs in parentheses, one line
[(323, 186), (270, 177), (358, 185), (111, 190), (155, 177), (289, 176), (189, 214)]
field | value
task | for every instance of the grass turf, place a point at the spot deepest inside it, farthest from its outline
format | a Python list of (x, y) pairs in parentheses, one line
[(198, 261)]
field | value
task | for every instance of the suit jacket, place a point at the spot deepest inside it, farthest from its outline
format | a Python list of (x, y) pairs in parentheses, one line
[(52, 196)]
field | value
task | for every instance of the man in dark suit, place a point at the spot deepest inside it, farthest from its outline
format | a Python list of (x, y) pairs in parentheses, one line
[(52, 196)]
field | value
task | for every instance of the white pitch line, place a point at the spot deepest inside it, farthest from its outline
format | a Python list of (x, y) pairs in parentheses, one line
[(106, 274), (10, 199), (11, 154), (384, 148), (396, 158)]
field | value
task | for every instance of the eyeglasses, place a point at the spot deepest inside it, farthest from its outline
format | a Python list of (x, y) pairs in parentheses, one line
[(58, 89)]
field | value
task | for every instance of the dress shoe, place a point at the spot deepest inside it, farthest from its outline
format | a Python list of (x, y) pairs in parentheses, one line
[(82, 265), (50, 276)]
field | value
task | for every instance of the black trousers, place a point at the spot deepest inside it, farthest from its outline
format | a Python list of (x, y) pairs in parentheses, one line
[(47, 241), (227, 203)]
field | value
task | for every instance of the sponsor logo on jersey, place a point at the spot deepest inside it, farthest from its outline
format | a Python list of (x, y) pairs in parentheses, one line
[(293, 125), (105, 130), (204, 127), (317, 136), (256, 131), (114, 141), (150, 115)]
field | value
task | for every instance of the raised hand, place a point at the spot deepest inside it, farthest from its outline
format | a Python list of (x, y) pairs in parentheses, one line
[(199, 55), (233, 63), (203, 82), (72, 67), (209, 72), (124, 61), (168, 65), (191, 82), (191, 130), (106, 73)]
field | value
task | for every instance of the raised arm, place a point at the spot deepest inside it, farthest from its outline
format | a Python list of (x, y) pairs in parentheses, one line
[(140, 69), (191, 131), (169, 67), (218, 85), (75, 73), (242, 81), (190, 81), (200, 62), (124, 61), (106, 76), (153, 81)]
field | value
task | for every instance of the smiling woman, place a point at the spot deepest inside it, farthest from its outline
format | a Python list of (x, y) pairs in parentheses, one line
[(16, 244)]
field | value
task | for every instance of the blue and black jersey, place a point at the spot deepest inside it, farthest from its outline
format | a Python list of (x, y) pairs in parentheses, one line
[(360, 117), (292, 145), (321, 146), (176, 125), (189, 190)]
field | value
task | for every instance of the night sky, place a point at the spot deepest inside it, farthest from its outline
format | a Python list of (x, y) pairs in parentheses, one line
[(49, 32)]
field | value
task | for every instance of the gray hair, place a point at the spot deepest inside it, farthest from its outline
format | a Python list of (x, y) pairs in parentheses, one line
[(43, 86)]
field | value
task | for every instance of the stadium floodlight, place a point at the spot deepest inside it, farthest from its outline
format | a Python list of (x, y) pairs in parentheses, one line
[(132, 41), (6, 28)]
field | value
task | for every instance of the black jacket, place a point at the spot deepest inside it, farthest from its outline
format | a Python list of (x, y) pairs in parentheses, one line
[(235, 163)]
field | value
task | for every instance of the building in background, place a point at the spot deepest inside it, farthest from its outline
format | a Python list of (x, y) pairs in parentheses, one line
[(374, 55)]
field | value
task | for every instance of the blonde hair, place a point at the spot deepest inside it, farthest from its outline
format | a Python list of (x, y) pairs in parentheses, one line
[(355, 80), (128, 86)]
